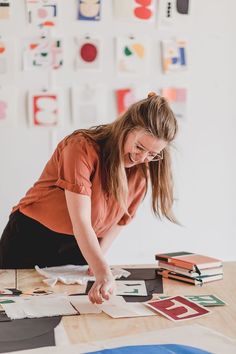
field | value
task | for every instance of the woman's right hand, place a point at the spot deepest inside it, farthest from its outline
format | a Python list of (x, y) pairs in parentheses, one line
[(103, 287)]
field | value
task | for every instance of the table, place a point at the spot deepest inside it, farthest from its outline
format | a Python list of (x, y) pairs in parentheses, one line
[(92, 327)]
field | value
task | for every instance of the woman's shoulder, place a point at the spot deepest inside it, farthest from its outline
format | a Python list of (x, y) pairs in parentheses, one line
[(80, 140)]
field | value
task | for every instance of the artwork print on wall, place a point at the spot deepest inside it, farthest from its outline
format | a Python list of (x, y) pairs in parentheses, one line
[(177, 98), (88, 105), (173, 55), (89, 10), (44, 108), (124, 98), (134, 10), (88, 53), (42, 52), (5, 9), (42, 13), (7, 105), (3, 56), (132, 55)]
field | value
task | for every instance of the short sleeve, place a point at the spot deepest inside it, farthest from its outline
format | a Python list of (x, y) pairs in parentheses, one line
[(136, 201), (76, 164)]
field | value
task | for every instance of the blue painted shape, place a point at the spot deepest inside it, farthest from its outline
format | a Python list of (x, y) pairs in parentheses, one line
[(153, 349)]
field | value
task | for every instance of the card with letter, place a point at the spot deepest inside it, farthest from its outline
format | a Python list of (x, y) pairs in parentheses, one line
[(178, 308)]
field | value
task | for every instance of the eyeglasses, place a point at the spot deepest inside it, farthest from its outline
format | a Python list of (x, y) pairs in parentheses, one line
[(139, 150)]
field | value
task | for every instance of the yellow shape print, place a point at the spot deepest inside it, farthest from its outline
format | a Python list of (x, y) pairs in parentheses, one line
[(139, 50)]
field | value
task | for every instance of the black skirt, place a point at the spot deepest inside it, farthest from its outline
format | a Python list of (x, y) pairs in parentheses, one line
[(26, 243)]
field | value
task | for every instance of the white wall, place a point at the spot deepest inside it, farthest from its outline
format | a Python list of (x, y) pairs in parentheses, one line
[(204, 159)]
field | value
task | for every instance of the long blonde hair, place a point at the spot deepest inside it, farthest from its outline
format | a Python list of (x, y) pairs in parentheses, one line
[(154, 115)]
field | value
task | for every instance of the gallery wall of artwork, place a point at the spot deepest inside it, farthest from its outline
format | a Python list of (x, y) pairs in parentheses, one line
[(77, 63)]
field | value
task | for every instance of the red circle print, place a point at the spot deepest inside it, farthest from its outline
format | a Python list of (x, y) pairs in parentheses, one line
[(142, 13), (88, 52)]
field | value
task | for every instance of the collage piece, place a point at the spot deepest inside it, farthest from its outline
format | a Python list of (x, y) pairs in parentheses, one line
[(5, 9), (173, 55), (135, 10), (42, 53), (7, 106), (202, 300), (177, 98), (42, 13), (44, 108), (132, 55), (172, 13), (89, 10), (88, 53), (89, 105), (178, 308)]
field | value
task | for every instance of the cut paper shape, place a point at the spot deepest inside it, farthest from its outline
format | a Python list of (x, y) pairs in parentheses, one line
[(177, 98), (3, 56), (5, 6), (42, 13), (89, 10), (131, 288), (44, 108), (7, 106), (182, 6), (135, 10), (124, 98), (132, 55), (173, 55), (178, 308), (89, 105), (42, 52), (28, 334), (88, 53)]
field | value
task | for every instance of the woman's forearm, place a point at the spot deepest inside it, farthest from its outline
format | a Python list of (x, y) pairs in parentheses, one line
[(90, 248), (108, 238)]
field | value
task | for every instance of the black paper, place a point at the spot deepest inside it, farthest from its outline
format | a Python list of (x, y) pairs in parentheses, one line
[(153, 283), (27, 333)]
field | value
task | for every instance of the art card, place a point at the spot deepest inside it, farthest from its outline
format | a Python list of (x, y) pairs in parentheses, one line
[(88, 105), (7, 60), (7, 106), (88, 53), (89, 10), (5, 6), (132, 55), (131, 287), (135, 10), (44, 108), (42, 53), (170, 13), (177, 98), (178, 308), (124, 98), (173, 55), (42, 13), (202, 300)]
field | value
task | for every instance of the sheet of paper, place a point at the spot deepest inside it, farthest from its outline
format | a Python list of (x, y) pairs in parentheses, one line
[(131, 287), (83, 304), (117, 307), (35, 307), (202, 300)]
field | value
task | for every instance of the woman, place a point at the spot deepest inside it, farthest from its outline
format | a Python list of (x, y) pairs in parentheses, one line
[(89, 189)]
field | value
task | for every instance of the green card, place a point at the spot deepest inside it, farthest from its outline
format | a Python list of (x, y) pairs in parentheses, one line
[(203, 300)]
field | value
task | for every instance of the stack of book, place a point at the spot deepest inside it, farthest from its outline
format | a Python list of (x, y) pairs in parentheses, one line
[(189, 267)]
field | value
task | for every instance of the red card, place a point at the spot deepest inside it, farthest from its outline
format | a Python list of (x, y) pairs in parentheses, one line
[(178, 308)]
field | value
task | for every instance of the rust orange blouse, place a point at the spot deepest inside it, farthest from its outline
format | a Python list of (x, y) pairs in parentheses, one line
[(75, 166)]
